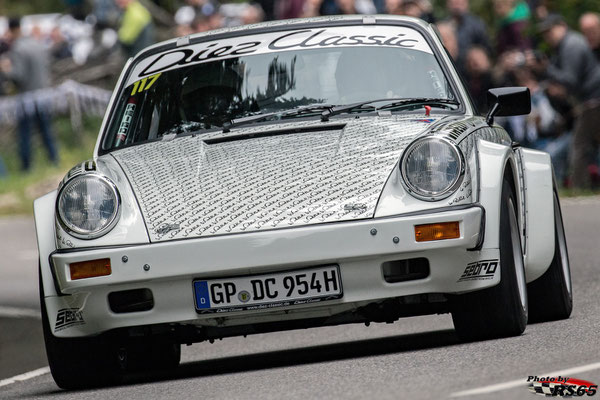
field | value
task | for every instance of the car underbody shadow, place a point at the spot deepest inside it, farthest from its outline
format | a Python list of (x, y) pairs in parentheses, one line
[(303, 355), (292, 357)]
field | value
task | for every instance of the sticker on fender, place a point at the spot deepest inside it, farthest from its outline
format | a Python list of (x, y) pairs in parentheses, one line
[(258, 292), (480, 270), (68, 317)]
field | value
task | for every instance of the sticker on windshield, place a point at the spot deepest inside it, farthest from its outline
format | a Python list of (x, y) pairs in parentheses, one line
[(144, 84), (302, 39), (125, 123)]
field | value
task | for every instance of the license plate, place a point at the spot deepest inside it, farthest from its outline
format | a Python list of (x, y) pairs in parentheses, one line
[(258, 292)]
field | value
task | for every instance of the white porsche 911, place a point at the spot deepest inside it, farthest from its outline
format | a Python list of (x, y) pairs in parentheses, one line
[(294, 174)]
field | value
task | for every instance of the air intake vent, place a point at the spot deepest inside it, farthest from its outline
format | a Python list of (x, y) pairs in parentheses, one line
[(127, 301), (405, 270)]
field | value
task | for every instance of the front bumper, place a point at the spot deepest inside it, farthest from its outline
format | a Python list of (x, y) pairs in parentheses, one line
[(354, 246)]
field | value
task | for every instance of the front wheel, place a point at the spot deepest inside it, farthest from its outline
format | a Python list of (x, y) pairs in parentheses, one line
[(79, 363), (499, 311)]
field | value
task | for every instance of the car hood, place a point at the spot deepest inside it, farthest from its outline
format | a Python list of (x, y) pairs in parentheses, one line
[(266, 177)]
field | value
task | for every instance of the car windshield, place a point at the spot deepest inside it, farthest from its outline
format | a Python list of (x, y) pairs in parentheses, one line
[(188, 90)]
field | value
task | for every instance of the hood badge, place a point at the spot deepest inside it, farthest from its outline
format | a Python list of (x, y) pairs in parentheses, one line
[(355, 207), (166, 228)]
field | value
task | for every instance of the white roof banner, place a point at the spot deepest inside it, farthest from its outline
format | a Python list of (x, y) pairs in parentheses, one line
[(300, 39)]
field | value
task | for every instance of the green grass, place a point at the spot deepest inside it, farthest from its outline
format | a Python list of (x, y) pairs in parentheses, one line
[(19, 189), (564, 192)]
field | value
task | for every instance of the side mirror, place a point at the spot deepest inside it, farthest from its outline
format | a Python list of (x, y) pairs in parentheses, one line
[(507, 102)]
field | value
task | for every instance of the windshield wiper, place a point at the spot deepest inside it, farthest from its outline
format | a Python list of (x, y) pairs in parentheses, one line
[(445, 103), (429, 101), (277, 114), (331, 110)]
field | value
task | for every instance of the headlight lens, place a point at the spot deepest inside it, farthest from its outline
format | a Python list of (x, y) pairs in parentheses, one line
[(88, 206), (432, 168)]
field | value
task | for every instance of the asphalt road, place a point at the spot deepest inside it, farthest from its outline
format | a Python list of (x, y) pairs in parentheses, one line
[(416, 358)]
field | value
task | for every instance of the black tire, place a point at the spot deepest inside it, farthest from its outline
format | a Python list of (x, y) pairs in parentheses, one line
[(79, 363), (149, 354), (551, 295), (499, 311)]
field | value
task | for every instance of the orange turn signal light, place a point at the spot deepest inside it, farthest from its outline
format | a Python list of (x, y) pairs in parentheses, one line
[(439, 231), (90, 269)]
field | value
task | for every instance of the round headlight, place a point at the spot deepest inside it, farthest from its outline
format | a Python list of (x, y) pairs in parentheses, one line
[(432, 168), (88, 206)]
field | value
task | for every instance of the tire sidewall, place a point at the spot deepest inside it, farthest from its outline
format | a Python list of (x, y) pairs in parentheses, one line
[(509, 285)]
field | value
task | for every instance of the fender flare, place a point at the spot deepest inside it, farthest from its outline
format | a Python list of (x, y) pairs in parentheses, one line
[(494, 159), (539, 202)]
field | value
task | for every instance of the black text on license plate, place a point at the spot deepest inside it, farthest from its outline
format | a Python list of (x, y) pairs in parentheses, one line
[(269, 290)]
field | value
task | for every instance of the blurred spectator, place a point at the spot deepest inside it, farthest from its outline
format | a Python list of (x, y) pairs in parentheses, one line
[(28, 66), (77, 8), (506, 65), (253, 14), (346, 6), (106, 13), (448, 34), (419, 9), (268, 7), (200, 24), (545, 128), (104, 42), (2, 169), (137, 29), (286, 9), (333, 7), (543, 122), (589, 24), (394, 7), (514, 20), (575, 67), (560, 146), (540, 9), (194, 9), (203, 23), (478, 75), (59, 46), (4, 47), (203, 15), (312, 8), (470, 30)]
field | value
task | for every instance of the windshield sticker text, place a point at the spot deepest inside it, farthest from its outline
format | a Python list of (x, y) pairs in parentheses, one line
[(383, 36)]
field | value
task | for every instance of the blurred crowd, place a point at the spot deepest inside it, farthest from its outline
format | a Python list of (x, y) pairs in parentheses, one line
[(528, 46)]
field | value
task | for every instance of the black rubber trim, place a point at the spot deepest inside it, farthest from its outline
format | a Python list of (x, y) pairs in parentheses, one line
[(54, 277), (479, 244), (275, 132), (381, 20)]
